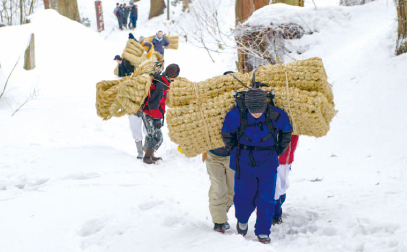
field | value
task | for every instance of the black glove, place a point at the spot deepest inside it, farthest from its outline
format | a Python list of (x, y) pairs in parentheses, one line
[(157, 123), (280, 150)]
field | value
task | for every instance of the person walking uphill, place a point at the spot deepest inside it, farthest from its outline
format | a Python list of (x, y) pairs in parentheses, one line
[(221, 191), (154, 110), (282, 183), (256, 133), (160, 42)]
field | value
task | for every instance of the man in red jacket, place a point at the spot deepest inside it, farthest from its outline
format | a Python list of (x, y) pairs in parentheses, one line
[(282, 184), (154, 110)]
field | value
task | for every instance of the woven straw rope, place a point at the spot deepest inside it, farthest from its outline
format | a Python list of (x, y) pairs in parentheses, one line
[(202, 115)]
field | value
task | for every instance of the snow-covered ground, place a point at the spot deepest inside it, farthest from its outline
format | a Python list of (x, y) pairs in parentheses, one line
[(71, 182)]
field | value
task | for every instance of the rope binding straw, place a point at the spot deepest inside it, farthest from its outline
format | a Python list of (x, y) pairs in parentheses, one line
[(202, 115)]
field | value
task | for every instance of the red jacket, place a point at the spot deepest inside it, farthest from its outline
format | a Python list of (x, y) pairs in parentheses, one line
[(288, 156), (154, 104)]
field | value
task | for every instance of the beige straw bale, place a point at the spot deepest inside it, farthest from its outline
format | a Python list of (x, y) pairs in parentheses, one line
[(197, 110)]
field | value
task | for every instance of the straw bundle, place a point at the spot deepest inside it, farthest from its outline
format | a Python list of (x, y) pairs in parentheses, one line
[(120, 97), (198, 110), (173, 40), (125, 96), (134, 52)]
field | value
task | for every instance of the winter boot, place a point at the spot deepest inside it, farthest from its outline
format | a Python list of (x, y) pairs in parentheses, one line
[(140, 150), (265, 239), (219, 228), (148, 156), (242, 228), (277, 221), (155, 158), (227, 226)]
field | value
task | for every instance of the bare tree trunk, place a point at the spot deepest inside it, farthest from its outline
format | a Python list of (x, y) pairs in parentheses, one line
[(69, 9), (186, 4), (46, 4), (157, 8), (244, 9), (21, 12), (401, 46), (260, 3)]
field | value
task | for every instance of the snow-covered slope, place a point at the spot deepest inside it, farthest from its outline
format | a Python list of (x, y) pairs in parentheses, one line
[(71, 182)]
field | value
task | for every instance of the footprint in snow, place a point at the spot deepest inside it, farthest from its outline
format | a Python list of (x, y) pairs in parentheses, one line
[(150, 204), (91, 227), (82, 176)]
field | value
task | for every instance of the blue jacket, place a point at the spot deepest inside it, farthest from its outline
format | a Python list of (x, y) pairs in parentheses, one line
[(266, 160), (160, 44)]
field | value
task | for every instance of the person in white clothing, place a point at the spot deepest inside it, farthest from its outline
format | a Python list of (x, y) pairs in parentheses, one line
[(282, 183), (136, 127)]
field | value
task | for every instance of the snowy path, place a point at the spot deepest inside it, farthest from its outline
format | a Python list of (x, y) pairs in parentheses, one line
[(71, 182)]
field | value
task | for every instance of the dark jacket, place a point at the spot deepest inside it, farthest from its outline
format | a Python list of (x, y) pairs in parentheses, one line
[(134, 12), (125, 68), (160, 44), (120, 13), (222, 152), (154, 105), (127, 11)]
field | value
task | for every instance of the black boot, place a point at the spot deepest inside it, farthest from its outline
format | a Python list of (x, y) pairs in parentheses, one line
[(219, 227), (241, 231), (148, 156), (155, 158)]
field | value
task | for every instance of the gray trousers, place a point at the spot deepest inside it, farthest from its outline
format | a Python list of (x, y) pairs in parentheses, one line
[(221, 191), (154, 136)]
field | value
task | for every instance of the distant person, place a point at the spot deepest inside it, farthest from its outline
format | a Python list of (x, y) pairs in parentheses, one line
[(125, 68), (154, 110), (126, 12), (116, 9), (160, 42), (133, 16), (120, 16), (282, 183)]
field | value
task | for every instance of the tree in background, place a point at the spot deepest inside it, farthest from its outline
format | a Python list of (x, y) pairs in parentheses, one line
[(401, 46), (69, 9), (156, 8), (244, 9), (14, 12)]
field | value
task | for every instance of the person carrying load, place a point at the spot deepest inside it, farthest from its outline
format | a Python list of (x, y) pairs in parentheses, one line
[(154, 110), (256, 133)]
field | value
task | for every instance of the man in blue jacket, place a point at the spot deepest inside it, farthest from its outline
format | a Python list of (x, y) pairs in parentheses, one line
[(160, 42), (256, 133)]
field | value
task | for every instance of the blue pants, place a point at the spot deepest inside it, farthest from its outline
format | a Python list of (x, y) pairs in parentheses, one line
[(134, 21), (120, 20), (278, 211), (251, 192)]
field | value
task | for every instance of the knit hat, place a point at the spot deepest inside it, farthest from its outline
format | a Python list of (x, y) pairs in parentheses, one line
[(256, 100), (172, 71), (117, 57), (131, 36)]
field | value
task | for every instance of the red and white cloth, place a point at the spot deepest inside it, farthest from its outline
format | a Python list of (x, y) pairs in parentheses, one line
[(284, 168)]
